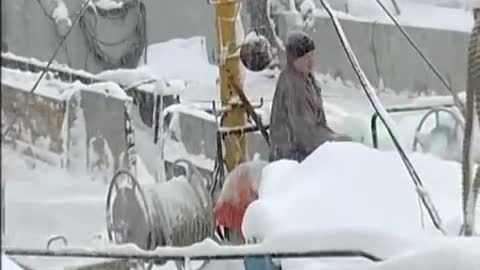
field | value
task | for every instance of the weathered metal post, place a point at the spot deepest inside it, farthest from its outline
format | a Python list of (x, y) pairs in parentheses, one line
[(229, 35)]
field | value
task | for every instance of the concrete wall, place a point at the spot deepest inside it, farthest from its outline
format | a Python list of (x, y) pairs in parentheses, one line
[(383, 52), (27, 31)]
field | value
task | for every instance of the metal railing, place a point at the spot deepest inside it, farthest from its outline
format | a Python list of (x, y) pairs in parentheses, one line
[(187, 254), (374, 118)]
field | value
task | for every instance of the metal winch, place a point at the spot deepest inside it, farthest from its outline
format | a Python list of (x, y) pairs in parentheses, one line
[(177, 212)]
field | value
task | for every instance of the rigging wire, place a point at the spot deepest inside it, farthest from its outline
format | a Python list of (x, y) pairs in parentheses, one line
[(50, 61), (373, 99), (456, 99)]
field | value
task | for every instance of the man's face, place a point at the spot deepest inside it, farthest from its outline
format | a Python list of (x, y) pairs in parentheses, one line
[(304, 64)]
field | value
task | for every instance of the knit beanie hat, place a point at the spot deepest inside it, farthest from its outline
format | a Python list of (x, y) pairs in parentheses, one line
[(299, 44)]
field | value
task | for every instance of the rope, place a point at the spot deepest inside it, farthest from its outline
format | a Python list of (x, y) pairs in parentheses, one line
[(373, 99), (50, 61), (137, 36), (471, 188), (182, 211)]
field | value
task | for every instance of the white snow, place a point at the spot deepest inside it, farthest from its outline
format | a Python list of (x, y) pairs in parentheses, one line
[(62, 67), (61, 13), (338, 187), (338, 199), (9, 264), (337, 191), (109, 4), (56, 89), (127, 77), (42, 200), (418, 14), (183, 59)]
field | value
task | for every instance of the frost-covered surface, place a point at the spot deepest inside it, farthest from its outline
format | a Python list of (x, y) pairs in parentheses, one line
[(56, 89), (61, 13), (42, 201), (52, 205), (185, 59), (173, 149), (360, 203), (108, 4), (413, 13), (347, 190), (34, 61), (8, 264)]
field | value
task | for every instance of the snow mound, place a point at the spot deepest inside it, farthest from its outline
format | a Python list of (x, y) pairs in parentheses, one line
[(185, 59), (349, 184), (108, 4), (8, 264)]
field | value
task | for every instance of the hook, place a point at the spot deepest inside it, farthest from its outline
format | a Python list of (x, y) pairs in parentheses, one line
[(55, 238)]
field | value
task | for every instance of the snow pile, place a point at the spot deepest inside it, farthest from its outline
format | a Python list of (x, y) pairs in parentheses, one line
[(184, 59), (351, 185), (8, 264), (127, 77), (108, 4), (60, 13), (33, 61), (42, 201), (26, 80), (56, 89)]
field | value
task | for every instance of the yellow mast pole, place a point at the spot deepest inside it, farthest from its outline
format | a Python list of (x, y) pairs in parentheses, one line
[(229, 32)]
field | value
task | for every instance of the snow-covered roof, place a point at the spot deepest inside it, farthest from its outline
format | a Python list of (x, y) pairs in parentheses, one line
[(9, 264)]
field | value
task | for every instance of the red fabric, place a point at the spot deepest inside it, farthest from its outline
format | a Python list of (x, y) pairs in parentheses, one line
[(235, 198)]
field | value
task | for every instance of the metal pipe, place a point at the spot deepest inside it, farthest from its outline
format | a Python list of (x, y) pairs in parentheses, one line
[(397, 7), (374, 118), (165, 255), (228, 30)]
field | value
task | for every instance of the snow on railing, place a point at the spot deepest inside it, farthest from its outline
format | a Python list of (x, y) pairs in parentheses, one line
[(192, 253)]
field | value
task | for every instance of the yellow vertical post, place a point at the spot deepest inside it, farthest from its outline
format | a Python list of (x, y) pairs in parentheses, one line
[(228, 33)]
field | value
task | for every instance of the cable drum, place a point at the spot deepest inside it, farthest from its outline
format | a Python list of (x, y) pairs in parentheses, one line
[(177, 212)]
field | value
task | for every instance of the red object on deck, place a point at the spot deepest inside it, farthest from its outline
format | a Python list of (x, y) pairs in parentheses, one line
[(230, 213), (240, 189)]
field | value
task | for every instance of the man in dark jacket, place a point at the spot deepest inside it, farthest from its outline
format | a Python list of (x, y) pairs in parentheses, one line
[(298, 124)]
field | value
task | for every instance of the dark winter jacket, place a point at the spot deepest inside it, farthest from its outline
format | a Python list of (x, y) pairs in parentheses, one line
[(297, 124)]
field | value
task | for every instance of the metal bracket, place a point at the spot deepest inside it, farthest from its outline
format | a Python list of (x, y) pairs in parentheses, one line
[(56, 238), (221, 2), (229, 107), (240, 130)]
